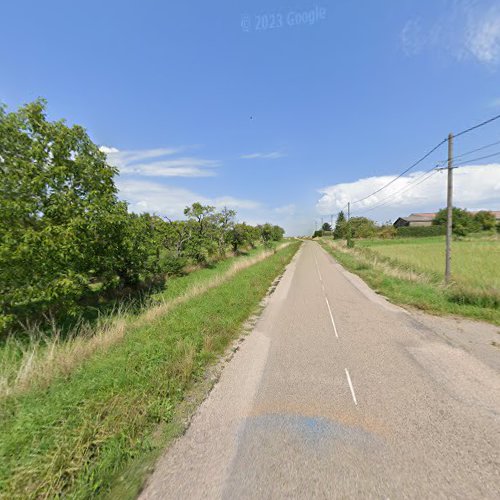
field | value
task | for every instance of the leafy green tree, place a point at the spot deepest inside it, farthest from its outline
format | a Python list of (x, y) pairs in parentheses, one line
[(59, 213), (463, 222), (270, 233), (486, 220), (326, 227), (224, 223), (202, 244), (242, 234), (340, 231), (277, 233), (362, 227)]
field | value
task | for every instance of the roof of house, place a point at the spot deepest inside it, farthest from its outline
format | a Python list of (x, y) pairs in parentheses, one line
[(429, 216)]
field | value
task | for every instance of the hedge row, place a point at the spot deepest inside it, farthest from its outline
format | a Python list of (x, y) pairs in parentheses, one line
[(420, 231)]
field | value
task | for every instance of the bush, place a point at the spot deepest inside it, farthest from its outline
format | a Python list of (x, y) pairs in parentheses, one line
[(463, 221), (420, 231), (172, 265), (387, 232), (361, 227), (485, 219)]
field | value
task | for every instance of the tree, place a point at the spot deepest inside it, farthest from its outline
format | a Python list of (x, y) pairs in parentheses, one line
[(463, 222), (486, 220), (340, 231), (224, 221), (362, 227), (202, 243), (270, 233), (59, 214), (326, 227)]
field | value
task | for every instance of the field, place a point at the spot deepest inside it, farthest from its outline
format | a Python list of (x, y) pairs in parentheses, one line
[(475, 262), (410, 271)]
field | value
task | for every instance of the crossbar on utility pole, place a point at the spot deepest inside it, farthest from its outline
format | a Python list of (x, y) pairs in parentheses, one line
[(449, 210)]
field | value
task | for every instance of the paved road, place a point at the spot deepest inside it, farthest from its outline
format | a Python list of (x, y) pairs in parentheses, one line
[(337, 394)]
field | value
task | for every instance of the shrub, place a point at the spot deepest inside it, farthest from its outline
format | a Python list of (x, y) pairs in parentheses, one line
[(420, 231), (463, 221), (387, 232), (172, 265), (486, 220)]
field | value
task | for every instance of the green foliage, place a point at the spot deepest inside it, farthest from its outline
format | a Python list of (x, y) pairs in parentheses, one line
[(340, 231), (463, 221), (60, 215), (65, 235), (73, 440), (420, 231), (486, 220), (387, 232), (362, 227), (326, 227), (270, 233)]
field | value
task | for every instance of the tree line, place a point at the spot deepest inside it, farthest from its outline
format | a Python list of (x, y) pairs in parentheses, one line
[(464, 222), (65, 236)]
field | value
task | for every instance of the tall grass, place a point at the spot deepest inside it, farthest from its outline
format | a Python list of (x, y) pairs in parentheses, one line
[(407, 281), (475, 262), (49, 354), (75, 437)]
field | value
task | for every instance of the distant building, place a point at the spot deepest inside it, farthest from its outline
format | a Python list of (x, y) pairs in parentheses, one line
[(425, 219), (415, 220)]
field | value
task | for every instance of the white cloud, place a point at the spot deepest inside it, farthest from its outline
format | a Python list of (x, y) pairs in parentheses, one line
[(146, 196), (473, 186), (468, 30), (152, 163), (483, 35), (274, 155)]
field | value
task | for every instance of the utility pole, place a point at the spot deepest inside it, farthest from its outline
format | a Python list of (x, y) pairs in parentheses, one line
[(449, 208), (349, 224)]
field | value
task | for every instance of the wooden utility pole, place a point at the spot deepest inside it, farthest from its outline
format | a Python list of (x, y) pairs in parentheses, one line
[(349, 224), (449, 207)]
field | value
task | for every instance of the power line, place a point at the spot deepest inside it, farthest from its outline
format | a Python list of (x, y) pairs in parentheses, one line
[(404, 172), (474, 151), (477, 159), (477, 126), (424, 177)]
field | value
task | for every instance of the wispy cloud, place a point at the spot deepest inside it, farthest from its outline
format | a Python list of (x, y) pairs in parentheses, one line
[(474, 186), (483, 34), (147, 196), (155, 163), (286, 210), (274, 155), (470, 30)]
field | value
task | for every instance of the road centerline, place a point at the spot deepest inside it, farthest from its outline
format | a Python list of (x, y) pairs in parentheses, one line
[(349, 381), (331, 317)]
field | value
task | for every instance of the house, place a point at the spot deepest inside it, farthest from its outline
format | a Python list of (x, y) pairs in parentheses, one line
[(425, 219)]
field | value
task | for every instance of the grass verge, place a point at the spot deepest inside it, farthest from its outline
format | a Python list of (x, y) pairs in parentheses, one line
[(75, 437), (405, 284), (45, 356)]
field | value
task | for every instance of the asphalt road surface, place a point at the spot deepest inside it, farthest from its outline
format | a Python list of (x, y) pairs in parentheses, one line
[(338, 394)]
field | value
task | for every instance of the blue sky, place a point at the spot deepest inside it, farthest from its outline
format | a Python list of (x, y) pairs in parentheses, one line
[(194, 102)]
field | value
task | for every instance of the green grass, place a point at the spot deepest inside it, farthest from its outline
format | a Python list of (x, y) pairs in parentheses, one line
[(408, 272), (80, 435), (475, 262)]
